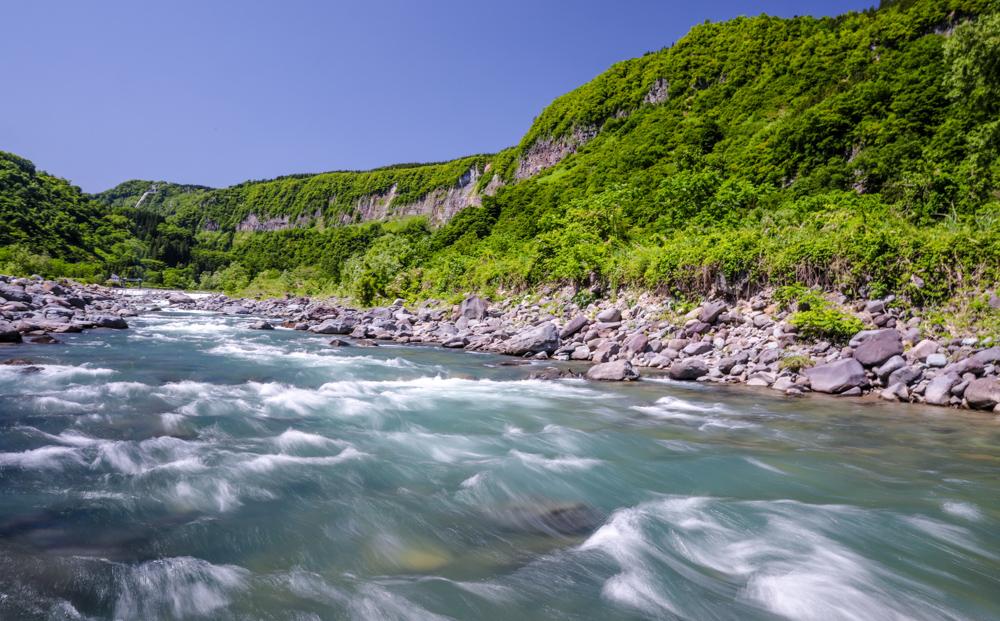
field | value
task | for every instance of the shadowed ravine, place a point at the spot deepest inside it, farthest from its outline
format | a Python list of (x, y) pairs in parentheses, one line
[(192, 468)]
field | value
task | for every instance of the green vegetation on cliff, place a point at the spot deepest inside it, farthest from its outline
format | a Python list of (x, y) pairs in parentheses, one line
[(860, 152)]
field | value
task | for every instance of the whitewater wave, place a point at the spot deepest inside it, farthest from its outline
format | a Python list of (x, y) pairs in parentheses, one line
[(177, 588), (780, 552)]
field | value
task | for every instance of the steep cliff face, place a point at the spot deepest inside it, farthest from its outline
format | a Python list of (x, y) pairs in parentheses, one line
[(547, 152), (439, 205)]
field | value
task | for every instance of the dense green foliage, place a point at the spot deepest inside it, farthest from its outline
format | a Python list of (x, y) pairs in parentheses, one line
[(860, 152)]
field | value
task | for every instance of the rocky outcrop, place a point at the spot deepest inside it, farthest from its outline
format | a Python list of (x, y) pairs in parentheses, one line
[(439, 205), (547, 152), (253, 223), (658, 92)]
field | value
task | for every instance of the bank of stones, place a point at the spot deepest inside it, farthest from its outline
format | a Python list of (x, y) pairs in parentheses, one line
[(750, 341)]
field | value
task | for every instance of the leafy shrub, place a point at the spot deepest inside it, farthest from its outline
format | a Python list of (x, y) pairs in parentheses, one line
[(826, 322), (795, 363)]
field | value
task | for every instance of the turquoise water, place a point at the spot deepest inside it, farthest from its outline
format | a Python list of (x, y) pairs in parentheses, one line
[(192, 468)]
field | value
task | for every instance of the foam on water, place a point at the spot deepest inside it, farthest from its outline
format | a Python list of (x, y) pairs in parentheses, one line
[(779, 550), (965, 510), (177, 588), (44, 458), (267, 463)]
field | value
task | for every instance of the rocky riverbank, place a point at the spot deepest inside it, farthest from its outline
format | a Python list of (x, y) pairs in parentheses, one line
[(747, 341)]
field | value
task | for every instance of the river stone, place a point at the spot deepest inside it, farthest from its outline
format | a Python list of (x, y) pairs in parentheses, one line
[(983, 393), (937, 360), (836, 377), (261, 325), (334, 326), (877, 346), (614, 371), (710, 312), (895, 392), (8, 333), (688, 369), (923, 349), (938, 392), (987, 356), (609, 315), (892, 364), (573, 326), (473, 307), (543, 338), (580, 353), (904, 375), (637, 343), (178, 297), (698, 348)]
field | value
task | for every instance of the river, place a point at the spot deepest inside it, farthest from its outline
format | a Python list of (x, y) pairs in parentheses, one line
[(192, 468)]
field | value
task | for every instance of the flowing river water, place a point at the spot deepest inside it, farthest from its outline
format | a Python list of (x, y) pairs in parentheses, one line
[(192, 468)]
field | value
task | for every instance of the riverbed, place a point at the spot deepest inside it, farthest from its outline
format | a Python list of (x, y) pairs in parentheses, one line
[(192, 468)]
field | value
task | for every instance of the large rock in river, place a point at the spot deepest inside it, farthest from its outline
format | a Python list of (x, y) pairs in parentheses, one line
[(543, 338), (983, 393), (688, 369), (110, 321), (334, 326), (8, 333), (938, 392), (614, 371), (836, 377), (877, 346)]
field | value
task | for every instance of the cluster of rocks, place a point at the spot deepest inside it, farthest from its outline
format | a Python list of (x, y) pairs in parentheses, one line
[(36, 309), (750, 341)]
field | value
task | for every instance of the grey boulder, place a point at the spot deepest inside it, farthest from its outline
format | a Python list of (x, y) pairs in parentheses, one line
[(877, 346), (333, 326), (614, 371), (573, 326), (543, 338), (609, 315), (473, 307), (688, 369), (983, 393), (938, 392), (8, 333), (110, 321), (836, 377)]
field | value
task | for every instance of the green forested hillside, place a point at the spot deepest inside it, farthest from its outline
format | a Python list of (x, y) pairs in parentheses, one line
[(858, 152), (49, 226)]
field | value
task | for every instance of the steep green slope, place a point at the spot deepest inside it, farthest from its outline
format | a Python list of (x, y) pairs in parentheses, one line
[(49, 226), (160, 197)]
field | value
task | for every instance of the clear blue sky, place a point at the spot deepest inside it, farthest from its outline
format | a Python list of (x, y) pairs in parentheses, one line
[(216, 92)]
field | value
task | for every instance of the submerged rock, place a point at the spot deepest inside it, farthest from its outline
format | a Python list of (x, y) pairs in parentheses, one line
[(688, 369), (571, 519)]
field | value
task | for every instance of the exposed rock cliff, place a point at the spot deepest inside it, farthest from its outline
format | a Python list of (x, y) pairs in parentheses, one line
[(547, 152)]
